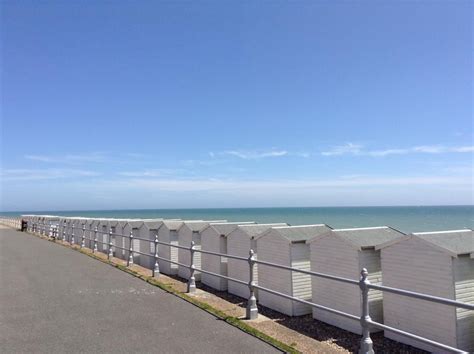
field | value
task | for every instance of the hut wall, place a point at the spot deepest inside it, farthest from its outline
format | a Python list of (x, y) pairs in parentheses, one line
[(185, 236), (416, 266), (331, 255), (464, 288), (272, 248), (239, 244), (301, 283), (168, 236), (213, 242), (370, 259)]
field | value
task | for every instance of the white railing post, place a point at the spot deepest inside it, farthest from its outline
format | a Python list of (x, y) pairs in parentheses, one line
[(111, 252), (95, 249), (72, 234), (252, 309), (64, 231), (83, 237), (366, 344), (192, 279), (130, 250), (156, 268)]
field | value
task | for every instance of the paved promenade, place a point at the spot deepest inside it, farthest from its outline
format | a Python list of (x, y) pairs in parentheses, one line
[(56, 300)]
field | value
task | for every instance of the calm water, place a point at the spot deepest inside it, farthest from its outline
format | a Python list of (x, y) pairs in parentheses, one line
[(407, 219)]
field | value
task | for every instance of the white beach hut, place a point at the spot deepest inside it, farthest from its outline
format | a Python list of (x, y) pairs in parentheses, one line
[(434, 263), (136, 227), (190, 231), (50, 224), (103, 236), (286, 246), (121, 250), (69, 222), (343, 253), (148, 231), (79, 223), (107, 225), (40, 227), (239, 243), (91, 224), (214, 239), (168, 233)]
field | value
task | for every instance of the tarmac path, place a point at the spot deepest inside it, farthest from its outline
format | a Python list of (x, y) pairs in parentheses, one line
[(56, 300)]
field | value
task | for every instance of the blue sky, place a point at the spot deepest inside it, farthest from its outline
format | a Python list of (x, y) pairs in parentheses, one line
[(112, 105)]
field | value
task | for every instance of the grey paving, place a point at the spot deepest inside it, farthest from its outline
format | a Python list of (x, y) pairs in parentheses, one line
[(56, 300)]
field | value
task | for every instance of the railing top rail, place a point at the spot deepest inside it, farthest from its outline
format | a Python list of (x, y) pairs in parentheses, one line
[(316, 274), (240, 258), (413, 294)]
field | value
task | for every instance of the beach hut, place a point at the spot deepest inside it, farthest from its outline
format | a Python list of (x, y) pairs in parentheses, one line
[(214, 239), (343, 253), (121, 251), (114, 225), (286, 245), (136, 227), (61, 227), (91, 224), (148, 231), (68, 227), (79, 223), (104, 229), (239, 243), (434, 263), (168, 233), (190, 231), (49, 224), (45, 225)]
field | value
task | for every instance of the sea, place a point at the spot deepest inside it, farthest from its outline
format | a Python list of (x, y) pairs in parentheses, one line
[(404, 218)]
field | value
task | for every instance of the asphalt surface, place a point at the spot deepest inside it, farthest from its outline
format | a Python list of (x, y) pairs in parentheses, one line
[(56, 300)]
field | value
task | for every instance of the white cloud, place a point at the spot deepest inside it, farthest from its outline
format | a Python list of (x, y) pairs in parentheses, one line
[(69, 158), (150, 173), (356, 149), (348, 148), (463, 149), (226, 185), (252, 155), (256, 154), (44, 174)]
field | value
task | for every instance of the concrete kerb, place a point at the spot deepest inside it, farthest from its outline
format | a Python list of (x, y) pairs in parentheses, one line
[(170, 287)]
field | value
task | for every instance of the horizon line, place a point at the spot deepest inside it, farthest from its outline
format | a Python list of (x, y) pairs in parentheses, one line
[(259, 207)]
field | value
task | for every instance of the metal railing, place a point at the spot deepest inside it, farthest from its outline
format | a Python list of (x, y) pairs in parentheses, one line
[(366, 344), (13, 222)]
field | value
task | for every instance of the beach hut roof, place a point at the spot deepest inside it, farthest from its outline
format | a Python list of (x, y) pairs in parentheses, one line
[(226, 228), (173, 225), (456, 242), (197, 226), (364, 237), (153, 224), (256, 229), (301, 233), (135, 223)]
